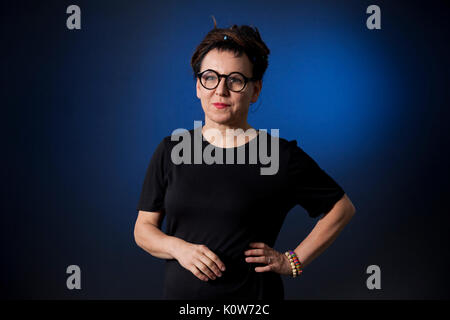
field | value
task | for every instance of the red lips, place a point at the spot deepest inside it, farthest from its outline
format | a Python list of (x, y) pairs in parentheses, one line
[(220, 105)]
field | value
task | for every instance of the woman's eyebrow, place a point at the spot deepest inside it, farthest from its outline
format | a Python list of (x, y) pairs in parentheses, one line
[(242, 72)]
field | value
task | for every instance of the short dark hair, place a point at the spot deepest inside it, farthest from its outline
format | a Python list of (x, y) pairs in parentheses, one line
[(239, 39)]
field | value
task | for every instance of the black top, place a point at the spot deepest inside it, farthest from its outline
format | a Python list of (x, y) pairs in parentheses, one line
[(228, 206)]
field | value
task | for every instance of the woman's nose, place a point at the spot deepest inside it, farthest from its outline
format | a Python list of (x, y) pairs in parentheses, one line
[(222, 86)]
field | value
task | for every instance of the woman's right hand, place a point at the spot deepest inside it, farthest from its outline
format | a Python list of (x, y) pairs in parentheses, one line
[(198, 259)]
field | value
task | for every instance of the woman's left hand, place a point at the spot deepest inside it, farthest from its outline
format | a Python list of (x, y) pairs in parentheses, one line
[(275, 261)]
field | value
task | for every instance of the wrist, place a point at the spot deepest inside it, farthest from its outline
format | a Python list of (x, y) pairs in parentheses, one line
[(287, 265), (173, 246), (295, 264)]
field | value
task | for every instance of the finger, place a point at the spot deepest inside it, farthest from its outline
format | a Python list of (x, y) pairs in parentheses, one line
[(215, 272), (260, 245), (255, 252), (214, 258), (205, 269), (206, 251), (198, 273), (264, 269), (263, 259)]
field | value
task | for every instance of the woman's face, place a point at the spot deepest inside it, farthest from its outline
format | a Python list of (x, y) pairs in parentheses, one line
[(225, 62)]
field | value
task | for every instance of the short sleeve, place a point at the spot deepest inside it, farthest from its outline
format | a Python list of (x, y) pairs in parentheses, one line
[(309, 185), (155, 182)]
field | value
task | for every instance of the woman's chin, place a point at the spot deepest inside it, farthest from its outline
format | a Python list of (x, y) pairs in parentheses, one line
[(220, 118)]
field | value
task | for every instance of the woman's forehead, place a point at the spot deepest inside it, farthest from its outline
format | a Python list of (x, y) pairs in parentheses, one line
[(226, 62)]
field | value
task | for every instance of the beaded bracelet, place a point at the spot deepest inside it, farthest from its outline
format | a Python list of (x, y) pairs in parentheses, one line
[(296, 265)]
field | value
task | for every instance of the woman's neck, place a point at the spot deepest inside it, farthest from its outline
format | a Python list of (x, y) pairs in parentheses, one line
[(226, 136)]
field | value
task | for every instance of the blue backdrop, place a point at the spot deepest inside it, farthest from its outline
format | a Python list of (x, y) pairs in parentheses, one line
[(83, 111)]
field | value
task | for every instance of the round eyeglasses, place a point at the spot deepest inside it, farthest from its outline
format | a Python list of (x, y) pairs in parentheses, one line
[(235, 81)]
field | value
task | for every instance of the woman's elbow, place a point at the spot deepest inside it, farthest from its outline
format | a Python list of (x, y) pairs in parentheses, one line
[(136, 233), (348, 207), (351, 210)]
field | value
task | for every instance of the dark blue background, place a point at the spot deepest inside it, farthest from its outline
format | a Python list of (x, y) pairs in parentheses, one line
[(83, 111)]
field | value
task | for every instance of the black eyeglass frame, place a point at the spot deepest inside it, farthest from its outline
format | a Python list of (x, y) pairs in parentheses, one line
[(219, 76)]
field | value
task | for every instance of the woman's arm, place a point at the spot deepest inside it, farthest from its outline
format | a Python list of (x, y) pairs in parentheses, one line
[(325, 231), (149, 237), (197, 258)]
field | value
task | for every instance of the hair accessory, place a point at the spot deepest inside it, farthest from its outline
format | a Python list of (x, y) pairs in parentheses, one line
[(225, 37), (295, 263)]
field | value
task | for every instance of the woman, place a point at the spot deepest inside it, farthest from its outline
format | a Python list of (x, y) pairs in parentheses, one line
[(223, 219)]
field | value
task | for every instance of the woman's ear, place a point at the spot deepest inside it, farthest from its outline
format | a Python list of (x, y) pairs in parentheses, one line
[(198, 88), (257, 86)]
